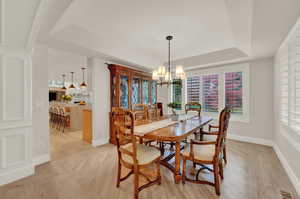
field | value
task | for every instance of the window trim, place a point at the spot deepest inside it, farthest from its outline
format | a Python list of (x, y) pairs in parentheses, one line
[(241, 67)]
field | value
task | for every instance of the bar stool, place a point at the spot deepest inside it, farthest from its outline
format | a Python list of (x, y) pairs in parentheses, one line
[(64, 118)]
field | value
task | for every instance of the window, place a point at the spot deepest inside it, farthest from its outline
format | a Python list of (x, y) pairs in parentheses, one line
[(210, 92), (177, 93), (234, 91), (193, 89), (293, 109), (284, 83), (215, 88)]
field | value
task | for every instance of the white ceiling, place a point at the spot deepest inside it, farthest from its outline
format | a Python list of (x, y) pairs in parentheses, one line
[(133, 31), (63, 62)]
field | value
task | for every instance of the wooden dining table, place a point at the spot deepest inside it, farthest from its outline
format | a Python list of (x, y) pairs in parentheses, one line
[(175, 133)]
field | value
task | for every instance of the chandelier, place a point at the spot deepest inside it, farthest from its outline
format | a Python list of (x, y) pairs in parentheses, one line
[(163, 76)]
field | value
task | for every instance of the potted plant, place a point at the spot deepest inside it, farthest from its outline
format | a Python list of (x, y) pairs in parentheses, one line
[(173, 106)]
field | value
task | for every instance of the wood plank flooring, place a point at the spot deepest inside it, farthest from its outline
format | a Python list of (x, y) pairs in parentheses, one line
[(65, 144), (252, 172)]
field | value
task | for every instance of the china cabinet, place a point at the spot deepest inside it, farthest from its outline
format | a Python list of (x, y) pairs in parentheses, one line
[(129, 87)]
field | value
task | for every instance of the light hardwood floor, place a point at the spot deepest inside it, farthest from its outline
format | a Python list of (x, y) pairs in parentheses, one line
[(253, 172), (66, 144)]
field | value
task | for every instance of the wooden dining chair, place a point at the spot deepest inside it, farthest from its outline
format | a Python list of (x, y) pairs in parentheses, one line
[(212, 135), (140, 111), (194, 107), (153, 112), (133, 155), (207, 153)]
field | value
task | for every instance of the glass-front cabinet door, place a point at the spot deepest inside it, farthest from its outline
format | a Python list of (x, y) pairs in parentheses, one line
[(145, 91), (135, 97), (124, 91), (153, 92)]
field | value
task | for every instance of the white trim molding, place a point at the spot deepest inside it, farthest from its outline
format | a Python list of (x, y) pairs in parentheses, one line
[(295, 181), (16, 174), (99, 142), (42, 159), (252, 140)]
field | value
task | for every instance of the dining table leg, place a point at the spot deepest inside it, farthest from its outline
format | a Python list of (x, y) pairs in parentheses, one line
[(177, 175)]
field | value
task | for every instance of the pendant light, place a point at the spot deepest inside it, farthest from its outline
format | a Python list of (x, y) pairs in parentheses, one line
[(72, 76), (63, 76), (163, 75), (83, 84)]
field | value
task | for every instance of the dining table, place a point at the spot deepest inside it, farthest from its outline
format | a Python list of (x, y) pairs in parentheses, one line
[(176, 132)]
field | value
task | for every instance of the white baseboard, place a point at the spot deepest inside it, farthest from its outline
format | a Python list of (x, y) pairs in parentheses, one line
[(250, 140), (99, 142), (41, 159), (16, 174), (295, 181)]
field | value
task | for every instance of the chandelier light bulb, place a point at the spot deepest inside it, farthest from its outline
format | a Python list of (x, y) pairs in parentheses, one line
[(168, 76), (155, 75), (179, 70)]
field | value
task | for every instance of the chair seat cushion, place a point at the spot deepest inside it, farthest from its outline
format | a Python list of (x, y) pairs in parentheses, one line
[(145, 154), (210, 137), (201, 152)]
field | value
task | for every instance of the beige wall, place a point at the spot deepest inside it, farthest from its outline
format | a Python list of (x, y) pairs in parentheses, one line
[(261, 103)]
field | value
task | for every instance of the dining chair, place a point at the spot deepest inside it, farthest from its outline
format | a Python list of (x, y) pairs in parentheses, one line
[(212, 135), (194, 107), (152, 111), (208, 153), (140, 111), (131, 154)]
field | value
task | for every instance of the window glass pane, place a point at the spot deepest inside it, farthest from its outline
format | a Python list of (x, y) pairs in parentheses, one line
[(234, 91), (135, 91), (124, 91), (145, 92), (177, 93), (153, 90), (210, 98), (193, 89)]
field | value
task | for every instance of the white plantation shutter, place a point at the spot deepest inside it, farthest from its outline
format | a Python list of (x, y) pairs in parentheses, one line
[(193, 89), (294, 64), (234, 91), (284, 84), (216, 88), (210, 93)]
